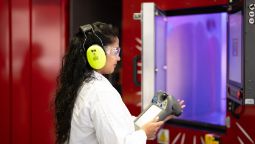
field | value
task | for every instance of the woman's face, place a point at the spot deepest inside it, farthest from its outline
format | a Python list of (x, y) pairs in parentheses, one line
[(112, 57)]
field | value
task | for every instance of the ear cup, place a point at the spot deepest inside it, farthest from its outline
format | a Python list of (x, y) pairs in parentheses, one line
[(96, 56)]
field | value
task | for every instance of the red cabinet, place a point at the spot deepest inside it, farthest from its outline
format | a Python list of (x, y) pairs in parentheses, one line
[(32, 42)]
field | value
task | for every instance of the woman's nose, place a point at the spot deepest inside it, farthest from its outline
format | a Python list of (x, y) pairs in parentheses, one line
[(118, 58)]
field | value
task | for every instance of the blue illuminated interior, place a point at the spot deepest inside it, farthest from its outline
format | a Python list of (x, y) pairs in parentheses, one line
[(191, 59)]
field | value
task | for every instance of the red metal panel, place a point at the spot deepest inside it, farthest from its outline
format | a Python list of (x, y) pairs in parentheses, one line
[(48, 43), (131, 34), (20, 41), (240, 126), (4, 73), (172, 4)]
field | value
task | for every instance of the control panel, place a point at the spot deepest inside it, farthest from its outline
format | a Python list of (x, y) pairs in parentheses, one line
[(249, 57)]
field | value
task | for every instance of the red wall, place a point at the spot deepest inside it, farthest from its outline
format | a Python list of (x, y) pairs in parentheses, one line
[(4, 73), (32, 42)]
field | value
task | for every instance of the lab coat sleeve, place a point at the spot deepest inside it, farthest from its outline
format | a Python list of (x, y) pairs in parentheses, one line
[(112, 125), (134, 117)]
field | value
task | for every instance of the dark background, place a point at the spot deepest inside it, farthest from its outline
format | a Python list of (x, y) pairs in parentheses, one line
[(89, 11)]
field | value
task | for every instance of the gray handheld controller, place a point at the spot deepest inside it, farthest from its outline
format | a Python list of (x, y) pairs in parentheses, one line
[(162, 105)]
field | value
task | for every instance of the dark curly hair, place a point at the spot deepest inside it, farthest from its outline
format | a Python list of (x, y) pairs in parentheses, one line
[(74, 71)]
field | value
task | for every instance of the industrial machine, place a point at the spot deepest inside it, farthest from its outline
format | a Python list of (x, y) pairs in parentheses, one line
[(203, 55)]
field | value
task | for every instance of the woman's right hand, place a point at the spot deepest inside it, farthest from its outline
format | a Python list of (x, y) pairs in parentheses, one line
[(151, 128)]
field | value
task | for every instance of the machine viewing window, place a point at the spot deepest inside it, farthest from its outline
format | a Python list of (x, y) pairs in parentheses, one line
[(191, 64), (235, 49), (235, 71)]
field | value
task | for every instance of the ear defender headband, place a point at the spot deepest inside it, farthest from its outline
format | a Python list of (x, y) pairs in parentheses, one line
[(95, 54)]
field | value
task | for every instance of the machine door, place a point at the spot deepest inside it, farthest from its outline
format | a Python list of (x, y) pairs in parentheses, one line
[(153, 45)]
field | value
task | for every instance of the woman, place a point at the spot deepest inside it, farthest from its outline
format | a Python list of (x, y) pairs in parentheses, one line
[(88, 109)]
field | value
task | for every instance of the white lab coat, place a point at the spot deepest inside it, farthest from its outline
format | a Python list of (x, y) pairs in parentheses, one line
[(101, 117)]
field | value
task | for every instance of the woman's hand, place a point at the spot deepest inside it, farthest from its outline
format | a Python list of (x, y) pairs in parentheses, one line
[(151, 128), (181, 102)]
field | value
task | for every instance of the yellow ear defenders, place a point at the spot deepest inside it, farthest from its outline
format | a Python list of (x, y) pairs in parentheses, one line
[(95, 54)]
